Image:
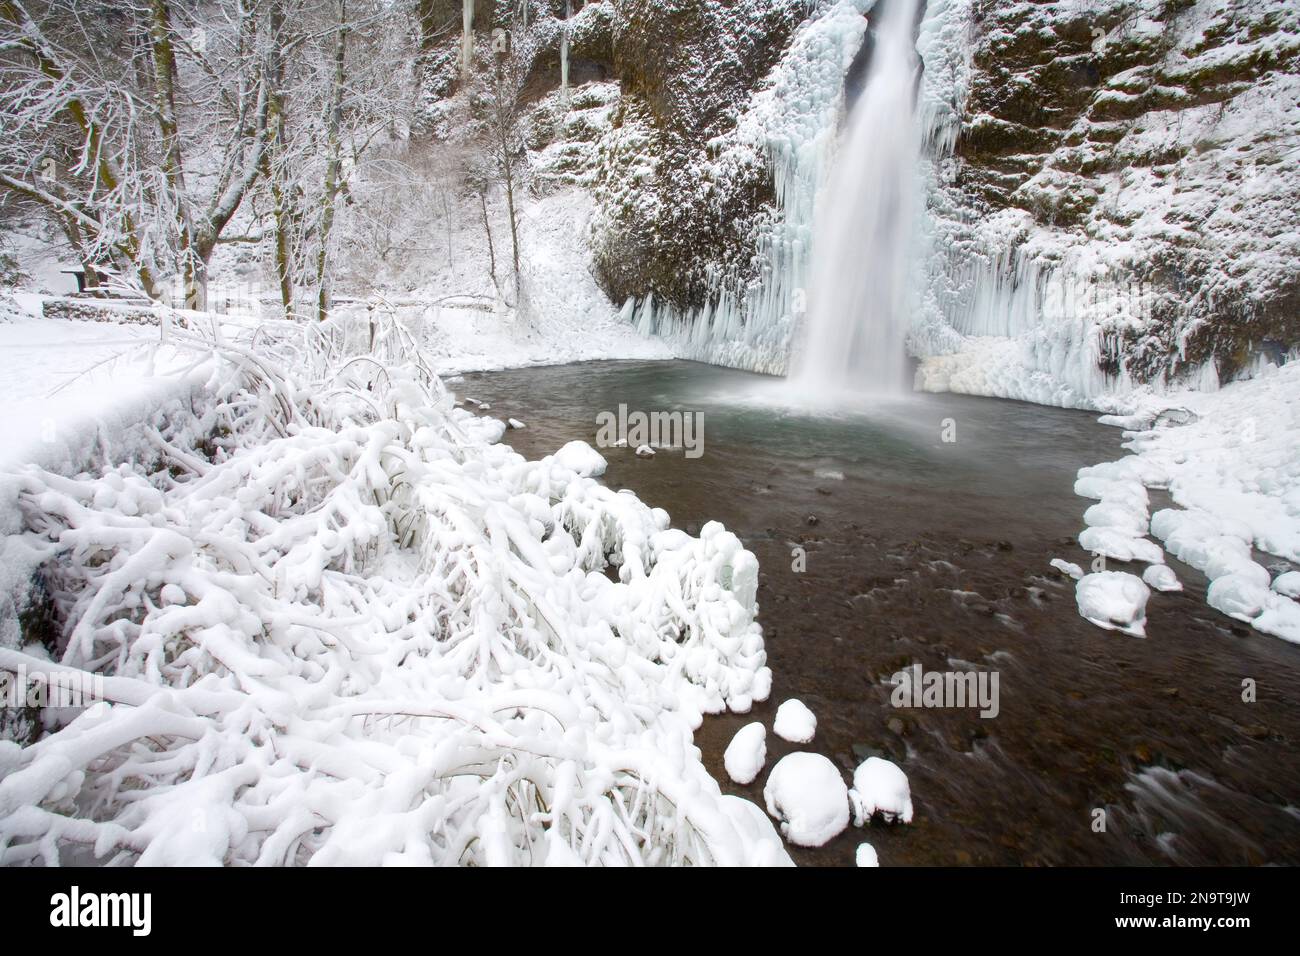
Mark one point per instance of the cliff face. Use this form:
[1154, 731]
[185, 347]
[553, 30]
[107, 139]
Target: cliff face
[1122, 189]
[669, 213]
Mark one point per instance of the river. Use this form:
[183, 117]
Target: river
[926, 528]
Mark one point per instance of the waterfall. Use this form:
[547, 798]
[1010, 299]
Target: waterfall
[856, 322]
[790, 124]
[564, 53]
[467, 37]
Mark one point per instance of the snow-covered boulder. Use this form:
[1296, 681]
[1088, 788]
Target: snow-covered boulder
[1162, 578]
[1120, 545]
[806, 793]
[746, 754]
[880, 787]
[762, 845]
[795, 722]
[1068, 568]
[1114, 600]
[1288, 584]
[579, 457]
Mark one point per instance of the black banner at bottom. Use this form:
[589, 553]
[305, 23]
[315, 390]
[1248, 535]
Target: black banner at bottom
[149, 906]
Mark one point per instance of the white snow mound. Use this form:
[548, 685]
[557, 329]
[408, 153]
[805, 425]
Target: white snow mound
[1114, 600]
[795, 722]
[880, 787]
[806, 793]
[746, 754]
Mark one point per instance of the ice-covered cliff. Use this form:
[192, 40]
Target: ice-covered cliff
[1110, 197]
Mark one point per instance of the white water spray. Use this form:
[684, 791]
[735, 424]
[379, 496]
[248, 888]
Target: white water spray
[856, 322]
[564, 54]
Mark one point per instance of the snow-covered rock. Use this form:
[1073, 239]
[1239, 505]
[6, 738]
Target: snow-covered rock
[1068, 568]
[1120, 545]
[795, 722]
[1162, 578]
[581, 459]
[880, 787]
[806, 793]
[1288, 584]
[1114, 600]
[746, 754]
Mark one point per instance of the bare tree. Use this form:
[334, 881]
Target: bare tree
[498, 117]
[126, 135]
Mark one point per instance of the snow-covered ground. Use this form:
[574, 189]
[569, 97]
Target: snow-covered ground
[335, 622]
[561, 316]
[60, 380]
[1230, 460]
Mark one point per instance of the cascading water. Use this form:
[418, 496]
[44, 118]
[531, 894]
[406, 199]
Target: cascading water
[564, 53]
[856, 322]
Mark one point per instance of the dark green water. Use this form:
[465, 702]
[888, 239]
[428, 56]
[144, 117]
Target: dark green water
[936, 553]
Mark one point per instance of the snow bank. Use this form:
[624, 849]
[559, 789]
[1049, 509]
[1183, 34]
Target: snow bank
[807, 794]
[880, 787]
[67, 386]
[341, 627]
[74, 397]
[1231, 463]
[795, 722]
[560, 315]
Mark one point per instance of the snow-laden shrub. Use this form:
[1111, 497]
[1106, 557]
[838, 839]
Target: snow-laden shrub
[346, 628]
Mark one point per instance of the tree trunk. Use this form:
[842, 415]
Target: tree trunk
[333, 167]
[194, 273]
[487, 228]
